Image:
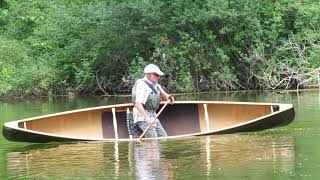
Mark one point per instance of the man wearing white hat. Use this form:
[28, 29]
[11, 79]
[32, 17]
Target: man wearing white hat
[146, 96]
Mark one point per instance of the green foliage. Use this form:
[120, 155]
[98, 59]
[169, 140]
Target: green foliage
[13, 60]
[136, 68]
[62, 47]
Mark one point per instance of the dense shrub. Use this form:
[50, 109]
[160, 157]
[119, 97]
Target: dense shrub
[60, 47]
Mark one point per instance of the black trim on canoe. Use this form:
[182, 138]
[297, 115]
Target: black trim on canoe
[24, 136]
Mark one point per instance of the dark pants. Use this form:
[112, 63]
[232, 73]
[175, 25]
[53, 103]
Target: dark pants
[154, 131]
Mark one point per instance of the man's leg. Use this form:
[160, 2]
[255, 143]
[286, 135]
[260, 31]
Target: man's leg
[151, 131]
[159, 129]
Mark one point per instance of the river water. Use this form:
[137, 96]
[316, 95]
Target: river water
[290, 152]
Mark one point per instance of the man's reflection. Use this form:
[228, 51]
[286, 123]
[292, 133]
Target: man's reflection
[148, 162]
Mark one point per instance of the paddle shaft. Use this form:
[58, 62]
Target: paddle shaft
[144, 132]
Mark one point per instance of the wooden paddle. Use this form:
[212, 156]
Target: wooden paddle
[154, 120]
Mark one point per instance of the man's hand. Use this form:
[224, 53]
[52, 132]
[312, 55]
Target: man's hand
[171, 99]
[150, 119]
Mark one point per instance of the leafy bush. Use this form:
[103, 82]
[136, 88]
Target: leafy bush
[62, 47]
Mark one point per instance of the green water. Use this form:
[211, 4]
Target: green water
[290, 152]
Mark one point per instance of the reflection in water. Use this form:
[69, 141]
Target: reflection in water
[239, 154]
[147, 160]
[219, 157]
[208, 154]
[116, 159]
[73, 159]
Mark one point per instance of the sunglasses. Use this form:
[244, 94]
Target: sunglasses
[155, 74]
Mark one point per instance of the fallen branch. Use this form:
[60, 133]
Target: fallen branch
[100, 87]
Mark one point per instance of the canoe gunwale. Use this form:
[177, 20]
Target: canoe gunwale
[130, 105]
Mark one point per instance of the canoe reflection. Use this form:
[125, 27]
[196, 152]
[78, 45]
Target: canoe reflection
[239, 153]
[203, 156]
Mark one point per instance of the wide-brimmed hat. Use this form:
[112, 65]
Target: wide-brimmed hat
[151, 68]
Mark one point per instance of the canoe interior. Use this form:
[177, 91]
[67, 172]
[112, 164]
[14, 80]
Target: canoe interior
[226, 115]
[177, 119]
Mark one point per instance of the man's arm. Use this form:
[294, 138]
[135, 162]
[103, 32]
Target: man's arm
[167, 96]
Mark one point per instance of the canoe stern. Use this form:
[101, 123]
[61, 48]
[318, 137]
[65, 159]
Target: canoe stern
[282, 118]
[13, 134]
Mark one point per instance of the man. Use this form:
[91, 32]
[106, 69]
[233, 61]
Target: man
[146, 96]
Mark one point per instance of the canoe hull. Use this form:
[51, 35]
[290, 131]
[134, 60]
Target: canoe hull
[189, 118]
